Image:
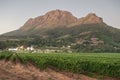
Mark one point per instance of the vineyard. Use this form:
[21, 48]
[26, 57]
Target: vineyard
[106, 64]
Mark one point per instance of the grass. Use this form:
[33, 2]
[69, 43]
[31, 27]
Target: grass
[107, 64]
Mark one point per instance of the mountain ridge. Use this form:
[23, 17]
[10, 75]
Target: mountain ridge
[54, 19]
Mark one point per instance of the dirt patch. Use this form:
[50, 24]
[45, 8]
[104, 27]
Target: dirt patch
[12, 71]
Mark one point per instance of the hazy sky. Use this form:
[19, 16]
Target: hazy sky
[14, 13]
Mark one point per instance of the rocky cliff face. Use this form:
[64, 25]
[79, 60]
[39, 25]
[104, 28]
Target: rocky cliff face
[59, 18]
[54, 19]
[91, 18]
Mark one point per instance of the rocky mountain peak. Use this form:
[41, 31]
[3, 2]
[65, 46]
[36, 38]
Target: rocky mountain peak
[58, 12]
[93, 18]
[91, 15]
[59, 18]
[51, 19]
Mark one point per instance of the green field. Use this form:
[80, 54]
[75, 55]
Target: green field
[107, 64]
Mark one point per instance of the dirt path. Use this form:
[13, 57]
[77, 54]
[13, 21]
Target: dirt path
[11, 71]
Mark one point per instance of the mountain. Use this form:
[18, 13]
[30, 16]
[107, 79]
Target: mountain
[58, 28]
[51, 20]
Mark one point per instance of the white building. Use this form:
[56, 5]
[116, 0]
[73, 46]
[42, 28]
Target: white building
[30, 48]
[12, 49]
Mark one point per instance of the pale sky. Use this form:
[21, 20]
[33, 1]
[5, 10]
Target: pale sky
[14, 13]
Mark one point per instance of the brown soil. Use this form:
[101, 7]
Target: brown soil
[11, 71]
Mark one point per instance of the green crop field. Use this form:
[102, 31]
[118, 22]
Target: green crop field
[107, 64]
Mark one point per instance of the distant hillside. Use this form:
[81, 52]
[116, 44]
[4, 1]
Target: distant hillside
[61, 28]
